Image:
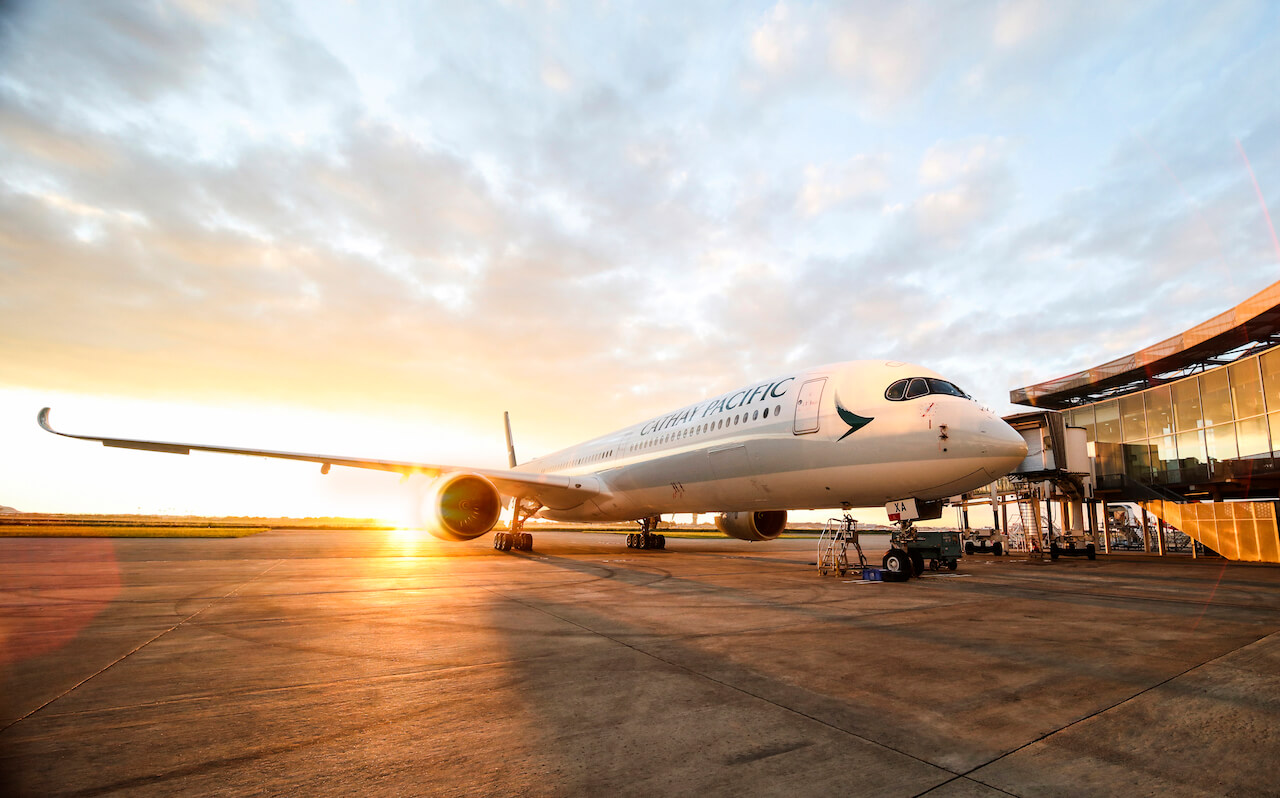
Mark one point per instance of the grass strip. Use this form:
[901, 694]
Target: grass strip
[111, 531]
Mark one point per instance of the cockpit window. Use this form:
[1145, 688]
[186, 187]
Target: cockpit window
[915, 387]
[918, 387]
[944, 387]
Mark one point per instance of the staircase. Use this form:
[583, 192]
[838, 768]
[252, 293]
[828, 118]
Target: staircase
[833, 546]
[1245, 531]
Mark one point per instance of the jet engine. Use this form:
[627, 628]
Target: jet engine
[461, 507]
[764, 525]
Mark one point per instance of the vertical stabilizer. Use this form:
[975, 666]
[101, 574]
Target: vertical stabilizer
[511, 449]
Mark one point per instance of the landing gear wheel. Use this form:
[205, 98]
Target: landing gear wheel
[631, 540]
[997, 548]
[917, 563]
[897, 565]
[662, 541]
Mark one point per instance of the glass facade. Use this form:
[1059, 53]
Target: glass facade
[1216, 424]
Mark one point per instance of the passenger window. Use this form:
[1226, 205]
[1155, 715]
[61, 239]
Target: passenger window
[766, 412]
[755, 415]
[918, 387]
[896, 391]
[777, 411]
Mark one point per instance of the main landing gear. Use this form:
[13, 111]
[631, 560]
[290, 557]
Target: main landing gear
[517, 538]
[647, 538]
[506, 541]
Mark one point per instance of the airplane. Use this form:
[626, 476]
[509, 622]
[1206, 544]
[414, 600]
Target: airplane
[852, 434]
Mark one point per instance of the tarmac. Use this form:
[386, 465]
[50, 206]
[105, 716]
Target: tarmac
[380, 663]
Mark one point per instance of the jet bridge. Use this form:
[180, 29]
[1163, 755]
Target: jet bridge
[1057, 471]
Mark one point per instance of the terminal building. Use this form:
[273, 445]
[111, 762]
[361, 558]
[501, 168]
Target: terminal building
[1187, 430]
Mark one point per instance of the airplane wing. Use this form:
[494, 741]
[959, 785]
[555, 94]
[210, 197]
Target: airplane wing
[551, 490]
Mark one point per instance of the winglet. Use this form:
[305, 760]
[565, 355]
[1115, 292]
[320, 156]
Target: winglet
[43, 421]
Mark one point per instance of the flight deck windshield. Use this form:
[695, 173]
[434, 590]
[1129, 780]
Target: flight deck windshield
[915, 387]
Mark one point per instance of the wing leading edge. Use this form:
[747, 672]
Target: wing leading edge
[551, 490]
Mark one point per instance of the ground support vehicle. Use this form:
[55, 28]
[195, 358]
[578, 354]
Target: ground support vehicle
[911, 548]
[985, 543]
[1073, 546]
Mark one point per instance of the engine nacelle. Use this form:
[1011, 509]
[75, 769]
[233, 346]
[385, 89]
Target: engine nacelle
[461, 507]
[764, 525]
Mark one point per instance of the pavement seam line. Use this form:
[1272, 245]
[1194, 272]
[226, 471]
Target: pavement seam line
[733, 687]
[1090, 716]
[136, 649]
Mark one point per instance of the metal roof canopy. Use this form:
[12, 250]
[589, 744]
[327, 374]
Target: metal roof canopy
[1252, 325]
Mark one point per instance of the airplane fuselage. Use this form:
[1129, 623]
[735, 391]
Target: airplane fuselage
[823, 438]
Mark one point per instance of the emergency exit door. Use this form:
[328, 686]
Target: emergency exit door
[808, 405]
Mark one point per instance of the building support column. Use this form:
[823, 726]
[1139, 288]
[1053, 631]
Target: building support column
[1106, 528]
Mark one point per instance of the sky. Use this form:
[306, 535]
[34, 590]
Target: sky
[370, 228]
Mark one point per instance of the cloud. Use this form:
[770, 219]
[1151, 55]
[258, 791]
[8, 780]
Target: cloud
[209, 202]
[776, 43]
[860, 178]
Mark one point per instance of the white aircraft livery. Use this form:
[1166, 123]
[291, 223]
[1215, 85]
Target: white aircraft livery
[855, 434]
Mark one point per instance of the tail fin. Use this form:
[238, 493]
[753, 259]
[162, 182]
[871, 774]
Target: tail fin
[511, 449]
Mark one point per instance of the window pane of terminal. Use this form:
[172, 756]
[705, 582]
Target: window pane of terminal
[1108, 430]
[1133, 417]
[1137, 461]
[1108, 458]
[1274, 419]
[1246, 388]
[1220, 441]
[1164, 456]
[1251, 437]
[1215, 397]
[1082, 417]
[1186, 406]
[1270, 363]
[1159, 411]
[1191, 448]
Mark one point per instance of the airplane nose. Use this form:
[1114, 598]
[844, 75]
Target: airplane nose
[1005, 448]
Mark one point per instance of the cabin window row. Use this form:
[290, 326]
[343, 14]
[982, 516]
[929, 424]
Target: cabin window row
[595, 458]
[709, 426]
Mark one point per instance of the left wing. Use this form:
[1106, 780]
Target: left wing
[551, 490]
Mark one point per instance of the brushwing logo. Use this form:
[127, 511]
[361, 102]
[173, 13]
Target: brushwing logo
[855, 421]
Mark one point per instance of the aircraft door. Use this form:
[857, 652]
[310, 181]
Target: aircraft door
[808, 406]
